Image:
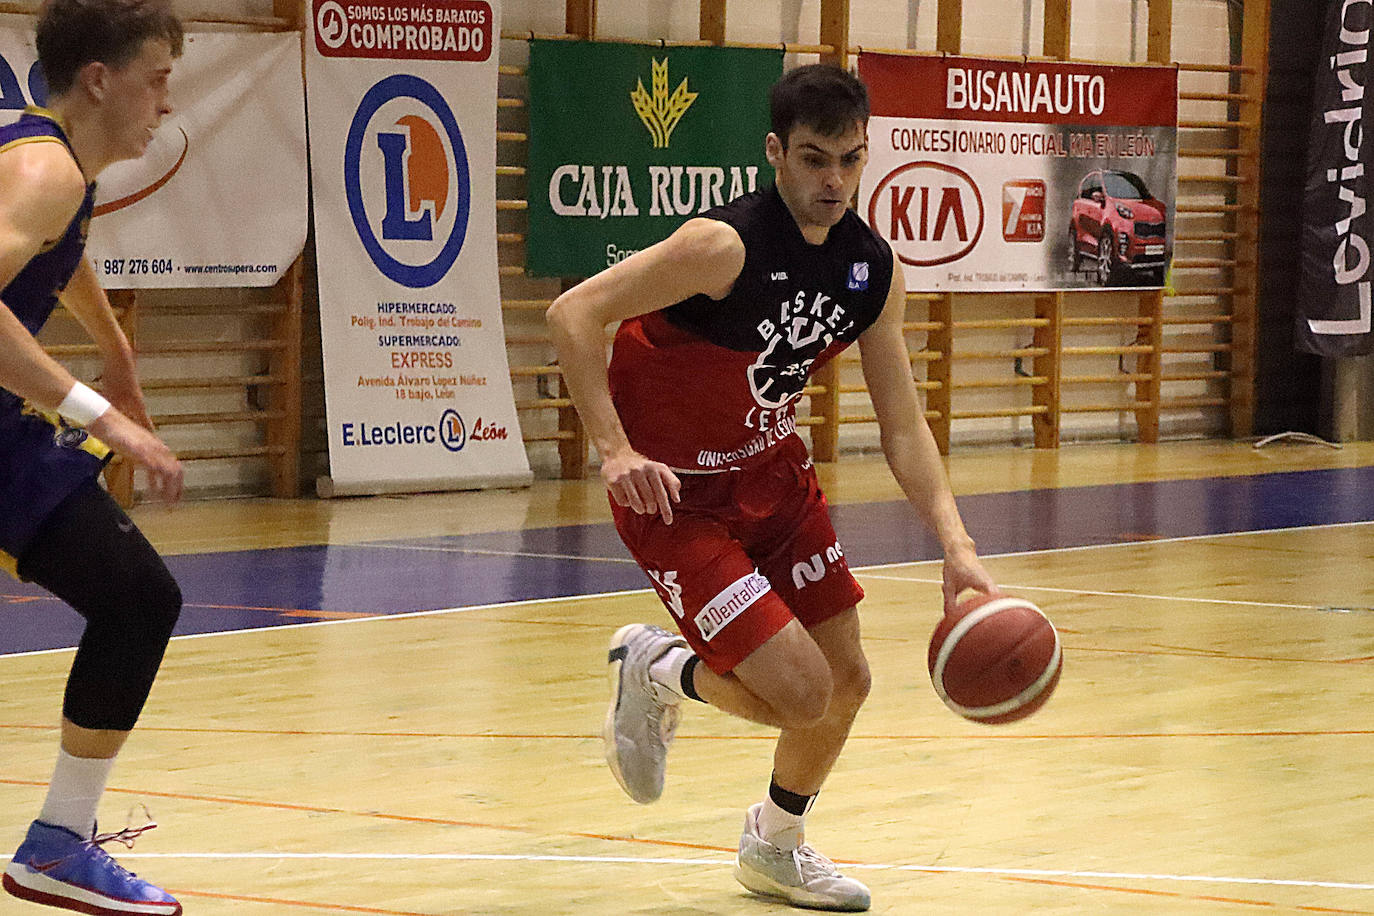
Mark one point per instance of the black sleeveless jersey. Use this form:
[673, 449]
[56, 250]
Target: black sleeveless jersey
[706, 384]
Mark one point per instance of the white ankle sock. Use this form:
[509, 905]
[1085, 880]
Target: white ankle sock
[666, 670]
[780, 828]
[74, 793]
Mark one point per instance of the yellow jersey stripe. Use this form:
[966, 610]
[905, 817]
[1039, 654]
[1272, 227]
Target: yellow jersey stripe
[22, 140]
[91, 445]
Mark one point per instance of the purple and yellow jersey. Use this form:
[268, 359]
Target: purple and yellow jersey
[42, 459]
[32, 295]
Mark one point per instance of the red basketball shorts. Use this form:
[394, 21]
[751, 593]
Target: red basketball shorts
[747, 551]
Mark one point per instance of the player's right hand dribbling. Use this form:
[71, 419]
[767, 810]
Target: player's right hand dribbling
[165, 473]
[636, 482]
[963, 570]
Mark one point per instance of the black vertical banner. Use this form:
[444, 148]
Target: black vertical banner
[1333, 309]
[1333, 315]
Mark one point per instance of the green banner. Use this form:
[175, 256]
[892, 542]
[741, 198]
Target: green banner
[629, 141]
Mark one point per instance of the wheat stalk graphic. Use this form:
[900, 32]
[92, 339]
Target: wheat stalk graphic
[661, 112]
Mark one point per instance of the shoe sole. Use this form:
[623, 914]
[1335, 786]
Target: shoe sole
[49, 892]
[608, 727]
[762, 887]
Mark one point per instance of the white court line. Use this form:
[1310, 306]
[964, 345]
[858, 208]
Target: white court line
[405, 615]
[644, 860]
[1089, 591]
[490, 553]
[1012, 553]
[1183, 538]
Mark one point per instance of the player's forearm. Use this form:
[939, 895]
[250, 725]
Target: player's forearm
[86, 300]
[110, 339]
[916, 464]
[26, 369]
[581, 348]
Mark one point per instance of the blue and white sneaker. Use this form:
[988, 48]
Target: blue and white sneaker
[55, 867]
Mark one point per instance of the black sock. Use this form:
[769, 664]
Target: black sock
[790, 802]
[689, 686]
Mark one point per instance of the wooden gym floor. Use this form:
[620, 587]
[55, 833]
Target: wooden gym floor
[392, 706]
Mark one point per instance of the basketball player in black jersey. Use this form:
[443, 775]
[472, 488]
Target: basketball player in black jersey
[712, 490]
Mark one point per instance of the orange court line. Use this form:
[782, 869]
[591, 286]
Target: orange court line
[377, 815]
[290, 611]
[314, 613]
[277, 901]
[285, 806]
[1184, 652]
[319, 614]
[549, 736]
[1143, 891]
[329, 615]
[547, 623]
[1158, 893]
[643, 841]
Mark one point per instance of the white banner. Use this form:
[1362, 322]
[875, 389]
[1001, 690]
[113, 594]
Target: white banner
[995, 175]
[402, 97]
[220, 197]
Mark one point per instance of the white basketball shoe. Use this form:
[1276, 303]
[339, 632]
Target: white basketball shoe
[643, 717]
[801, 876]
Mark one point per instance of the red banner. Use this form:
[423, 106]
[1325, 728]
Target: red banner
[458, 30]
[977, 89]
[992, 175]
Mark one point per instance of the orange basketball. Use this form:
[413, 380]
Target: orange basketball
[995, 659]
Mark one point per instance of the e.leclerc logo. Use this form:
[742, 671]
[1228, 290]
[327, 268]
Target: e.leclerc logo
[450, 432]
[406, 171]
[407, 180]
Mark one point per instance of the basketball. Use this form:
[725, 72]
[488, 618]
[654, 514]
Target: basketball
[995, 659]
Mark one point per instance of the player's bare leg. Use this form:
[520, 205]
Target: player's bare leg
[811, 685]
[91, 743]
[805, 755]
[785, 683]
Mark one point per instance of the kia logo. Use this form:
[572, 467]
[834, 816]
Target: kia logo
[931, 213]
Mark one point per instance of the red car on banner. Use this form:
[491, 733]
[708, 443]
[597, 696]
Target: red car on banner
[1118, 227]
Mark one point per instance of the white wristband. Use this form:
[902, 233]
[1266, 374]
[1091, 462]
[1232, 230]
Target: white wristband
[83, 405]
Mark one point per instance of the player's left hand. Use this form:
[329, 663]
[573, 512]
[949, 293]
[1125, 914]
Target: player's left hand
[963, 570]
[648, 487]
[119, 385]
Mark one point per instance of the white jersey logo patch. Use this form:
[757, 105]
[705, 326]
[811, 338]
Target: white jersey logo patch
[734, 599]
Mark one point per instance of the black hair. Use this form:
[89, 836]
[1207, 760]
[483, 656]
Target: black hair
[73, 33]
[824, 97]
